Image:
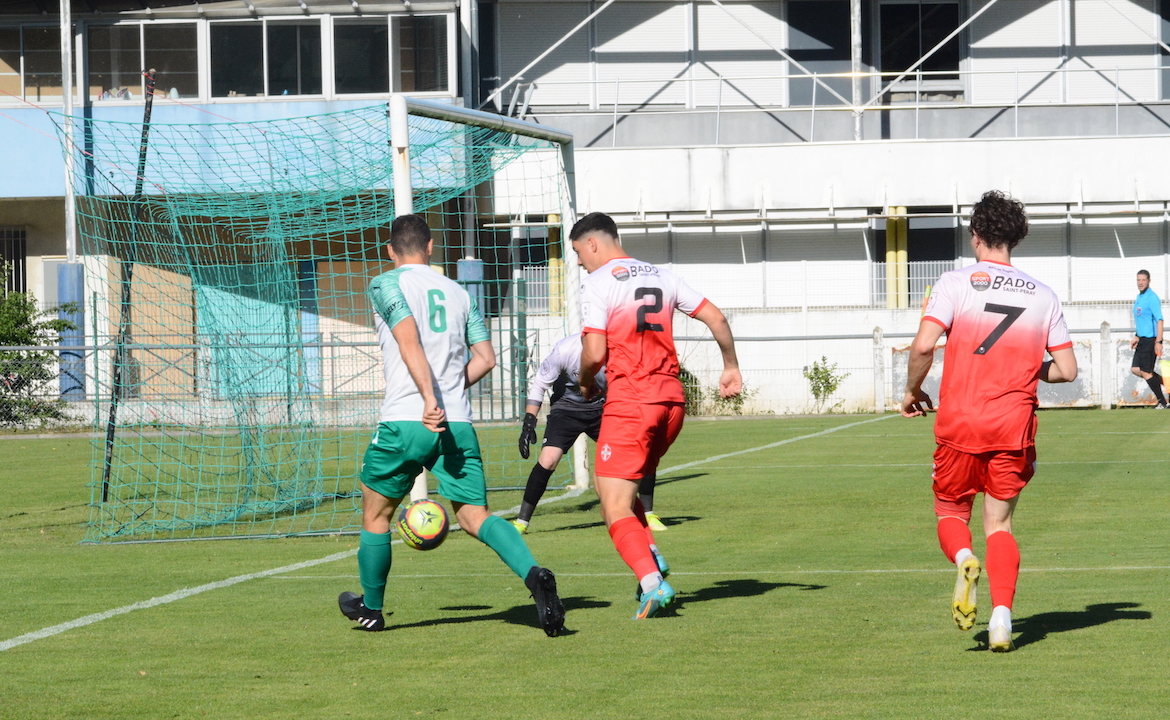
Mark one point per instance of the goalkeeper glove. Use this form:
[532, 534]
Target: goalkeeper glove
[527, 434]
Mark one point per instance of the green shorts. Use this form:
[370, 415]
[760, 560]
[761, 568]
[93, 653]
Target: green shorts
[401, 449]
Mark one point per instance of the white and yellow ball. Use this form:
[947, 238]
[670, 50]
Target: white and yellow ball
[423, 524]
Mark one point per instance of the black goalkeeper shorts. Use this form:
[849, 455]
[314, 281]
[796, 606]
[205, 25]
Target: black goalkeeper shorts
[1143, 355]
[567, 422]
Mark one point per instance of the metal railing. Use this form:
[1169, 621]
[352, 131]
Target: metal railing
[936, 90]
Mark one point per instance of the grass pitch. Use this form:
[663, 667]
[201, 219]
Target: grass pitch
[810, 581]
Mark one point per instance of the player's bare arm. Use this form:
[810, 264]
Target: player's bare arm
[916, 402]
[483, 359]
[410, 348]
[1061, 368]
[730, 382]
[593, 352]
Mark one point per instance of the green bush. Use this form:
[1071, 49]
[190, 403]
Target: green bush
[692, 391]
[24, 373]
[823, 380]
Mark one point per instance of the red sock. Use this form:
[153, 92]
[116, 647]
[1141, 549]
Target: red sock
[953, 536]
[640, 513]
[1003, 568]
[631, 544]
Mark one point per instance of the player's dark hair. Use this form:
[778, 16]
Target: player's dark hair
[999, 220]
[1144, 272]
[594, 222]
[409, 235]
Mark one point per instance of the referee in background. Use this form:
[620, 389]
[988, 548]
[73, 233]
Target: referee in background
[1147, 340]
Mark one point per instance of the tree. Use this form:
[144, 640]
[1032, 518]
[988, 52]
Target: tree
[25, 374]
[823, 380]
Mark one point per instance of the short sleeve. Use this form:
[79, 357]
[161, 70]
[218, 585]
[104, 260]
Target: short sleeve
[1058, 337]
[594, 313]
[387, 299]
[1157, 308]
[687, 299]
[940, 308]
[477, 331]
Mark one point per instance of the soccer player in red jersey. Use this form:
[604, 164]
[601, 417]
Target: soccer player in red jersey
[999, 323]
[627, 308]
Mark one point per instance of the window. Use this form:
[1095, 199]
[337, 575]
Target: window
[172, 50]
[361, 56]
[909, 30]
[30, 62]
[818, 38]
[13, 254]
[115, 62]
[421, 54]
[10, 61]
[294, 59]
[237, 59]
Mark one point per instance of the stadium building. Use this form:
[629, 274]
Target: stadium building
[808, 164]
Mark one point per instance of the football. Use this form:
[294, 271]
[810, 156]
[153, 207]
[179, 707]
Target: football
[423, 524]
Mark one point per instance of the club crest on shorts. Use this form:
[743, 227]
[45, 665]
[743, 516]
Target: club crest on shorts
[621, 274]
[606, 453]
[980, 281]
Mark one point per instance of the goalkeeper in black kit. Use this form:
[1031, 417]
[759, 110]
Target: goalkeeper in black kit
[569, 415]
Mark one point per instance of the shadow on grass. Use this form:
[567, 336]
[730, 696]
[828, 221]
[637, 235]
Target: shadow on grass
[678, 478]
[725, 589]
[1037, 627]
[517, 615]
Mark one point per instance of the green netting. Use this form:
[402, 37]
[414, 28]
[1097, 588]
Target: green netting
[230, 299]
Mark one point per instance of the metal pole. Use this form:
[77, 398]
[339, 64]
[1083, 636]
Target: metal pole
[718, 108]
[67, 129]
[616, 89]
[917, 99]
[812, 114]
[470, 46]
[855, 62]
[121, 359]
[1017, 106]
[1117, 100]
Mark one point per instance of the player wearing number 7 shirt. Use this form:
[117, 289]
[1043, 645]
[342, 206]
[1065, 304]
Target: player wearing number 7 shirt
[627, 309]
[999, 323]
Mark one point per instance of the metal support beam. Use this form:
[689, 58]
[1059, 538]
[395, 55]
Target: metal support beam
[469, 36]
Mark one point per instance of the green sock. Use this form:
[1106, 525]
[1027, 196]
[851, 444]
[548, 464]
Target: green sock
[498, 534]
[373, 567]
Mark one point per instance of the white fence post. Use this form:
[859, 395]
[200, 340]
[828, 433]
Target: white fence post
[879, 372]
[1107, 362]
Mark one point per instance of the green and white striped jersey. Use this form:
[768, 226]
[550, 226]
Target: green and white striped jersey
[448, 324]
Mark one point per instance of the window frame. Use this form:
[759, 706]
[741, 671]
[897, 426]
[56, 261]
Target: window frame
[909, 83]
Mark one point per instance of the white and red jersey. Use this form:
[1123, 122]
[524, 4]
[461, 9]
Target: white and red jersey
[632, 303]
[999, 324]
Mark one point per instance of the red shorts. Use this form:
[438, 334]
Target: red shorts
[958, 476]
[634, 437]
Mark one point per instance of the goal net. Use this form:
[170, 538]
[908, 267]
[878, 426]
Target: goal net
[238, 377]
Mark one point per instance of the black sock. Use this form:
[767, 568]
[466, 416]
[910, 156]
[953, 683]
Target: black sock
[1155, 383]
[646, 492]
[537, 484]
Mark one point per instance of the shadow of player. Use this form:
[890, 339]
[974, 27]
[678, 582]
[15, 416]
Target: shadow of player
[725, 589]
[1037, 627]
[518, 615]
[678, 478]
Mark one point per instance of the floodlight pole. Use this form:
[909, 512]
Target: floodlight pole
[70, 274]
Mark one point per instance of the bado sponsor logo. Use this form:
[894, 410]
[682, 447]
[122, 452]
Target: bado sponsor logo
[621, 274]
[636, 270]
[980, 281]
[1011, 284]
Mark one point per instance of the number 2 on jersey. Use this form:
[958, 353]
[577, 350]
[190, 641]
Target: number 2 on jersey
[437, 313]
[653, 307]
[1010, 313]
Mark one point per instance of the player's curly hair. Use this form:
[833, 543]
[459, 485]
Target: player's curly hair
[409, 235]
[999, 220]
[593, 222]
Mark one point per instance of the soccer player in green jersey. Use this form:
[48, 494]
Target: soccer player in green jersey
[427, 326]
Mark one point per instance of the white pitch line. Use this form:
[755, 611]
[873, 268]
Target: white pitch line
[888, 571]
[776, 444]
[188, 592]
